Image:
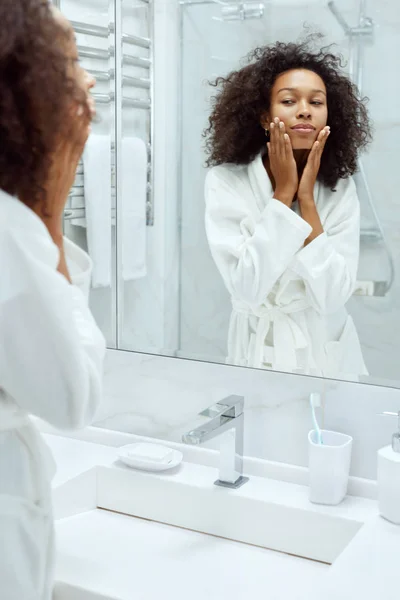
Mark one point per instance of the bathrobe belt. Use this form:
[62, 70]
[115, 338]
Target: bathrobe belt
[288, 337]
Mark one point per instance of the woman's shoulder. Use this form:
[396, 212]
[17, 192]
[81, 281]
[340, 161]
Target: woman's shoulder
[226, 173]
[342, 188]
[23, 234]
[346, 186]
[16, 214]
[345, 191]
[339, 204]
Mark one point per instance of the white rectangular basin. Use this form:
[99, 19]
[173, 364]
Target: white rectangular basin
[266, 513]
[108, 556]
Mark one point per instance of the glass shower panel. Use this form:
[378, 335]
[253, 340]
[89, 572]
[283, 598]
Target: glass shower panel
[137, 236]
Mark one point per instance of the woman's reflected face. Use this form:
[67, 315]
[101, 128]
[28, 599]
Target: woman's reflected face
[299, 99]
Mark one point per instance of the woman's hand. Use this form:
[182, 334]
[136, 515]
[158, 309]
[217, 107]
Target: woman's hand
[65, 161]
[282, 163]
[62, 174]
[305, 193]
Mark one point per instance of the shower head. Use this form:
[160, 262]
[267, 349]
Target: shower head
[340, 19]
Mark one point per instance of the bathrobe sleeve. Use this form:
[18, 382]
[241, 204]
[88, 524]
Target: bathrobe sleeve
[80, 266]
[328, 265]
[51, 350]
[251, 250]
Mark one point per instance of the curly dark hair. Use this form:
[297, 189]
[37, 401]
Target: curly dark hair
[235, 134]
[35, 94]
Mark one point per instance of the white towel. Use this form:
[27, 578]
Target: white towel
[133, 208]
[97, 177]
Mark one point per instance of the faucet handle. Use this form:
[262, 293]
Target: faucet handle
[231, 406]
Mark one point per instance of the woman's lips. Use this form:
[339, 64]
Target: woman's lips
[304, 128]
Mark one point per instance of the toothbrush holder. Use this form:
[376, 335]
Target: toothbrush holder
[329, 466]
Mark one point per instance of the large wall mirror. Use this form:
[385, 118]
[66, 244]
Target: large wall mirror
[228, 264]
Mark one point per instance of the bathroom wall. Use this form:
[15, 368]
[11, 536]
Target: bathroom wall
[212, 47]
[161, 397]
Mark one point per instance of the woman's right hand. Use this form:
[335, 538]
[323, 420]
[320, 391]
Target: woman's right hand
[282, 163]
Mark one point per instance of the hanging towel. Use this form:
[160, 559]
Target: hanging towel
[133, 208]
[97, 177]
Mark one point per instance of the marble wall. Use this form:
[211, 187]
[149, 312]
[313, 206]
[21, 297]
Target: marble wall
[161, 397]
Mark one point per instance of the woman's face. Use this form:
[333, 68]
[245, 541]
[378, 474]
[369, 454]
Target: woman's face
[83, 79]
[298, 98]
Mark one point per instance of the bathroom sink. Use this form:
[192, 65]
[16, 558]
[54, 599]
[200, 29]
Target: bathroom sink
[108, 556]
[266, 512]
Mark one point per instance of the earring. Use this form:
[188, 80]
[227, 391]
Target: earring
[266, 132]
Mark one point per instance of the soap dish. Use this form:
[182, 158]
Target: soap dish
[150, 457]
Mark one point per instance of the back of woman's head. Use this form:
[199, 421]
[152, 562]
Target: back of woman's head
[35, 92]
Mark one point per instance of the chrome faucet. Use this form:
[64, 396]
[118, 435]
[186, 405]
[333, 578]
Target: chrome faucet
[225, 417]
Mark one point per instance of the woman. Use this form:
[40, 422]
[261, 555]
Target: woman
[282, 214]
[51, 351]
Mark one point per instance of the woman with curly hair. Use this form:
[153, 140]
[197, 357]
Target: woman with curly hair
[51, 351]
[282, 213]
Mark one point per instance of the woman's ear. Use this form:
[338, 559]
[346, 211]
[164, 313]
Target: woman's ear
[265, 121]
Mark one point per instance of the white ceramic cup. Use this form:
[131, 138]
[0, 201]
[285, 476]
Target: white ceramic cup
[329, 466]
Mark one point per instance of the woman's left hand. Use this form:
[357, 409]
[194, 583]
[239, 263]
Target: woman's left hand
[305, 191]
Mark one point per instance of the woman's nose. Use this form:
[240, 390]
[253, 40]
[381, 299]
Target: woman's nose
[304, 111]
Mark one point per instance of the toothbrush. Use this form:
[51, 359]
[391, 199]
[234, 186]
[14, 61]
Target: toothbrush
[315, 402]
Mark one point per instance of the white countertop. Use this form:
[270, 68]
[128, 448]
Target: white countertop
[73, 457]
[368, 568]
[124, 557]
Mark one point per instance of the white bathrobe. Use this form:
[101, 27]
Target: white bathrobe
[51, 358]
[288, 299]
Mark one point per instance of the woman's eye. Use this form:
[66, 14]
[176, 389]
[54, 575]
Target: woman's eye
[288, 102]
[317, 102]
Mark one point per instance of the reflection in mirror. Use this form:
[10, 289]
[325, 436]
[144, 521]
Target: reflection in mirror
[346, 328]
[281, 254]
[283, 217]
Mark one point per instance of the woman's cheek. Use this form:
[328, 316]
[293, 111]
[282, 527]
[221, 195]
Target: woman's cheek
[281, 118]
